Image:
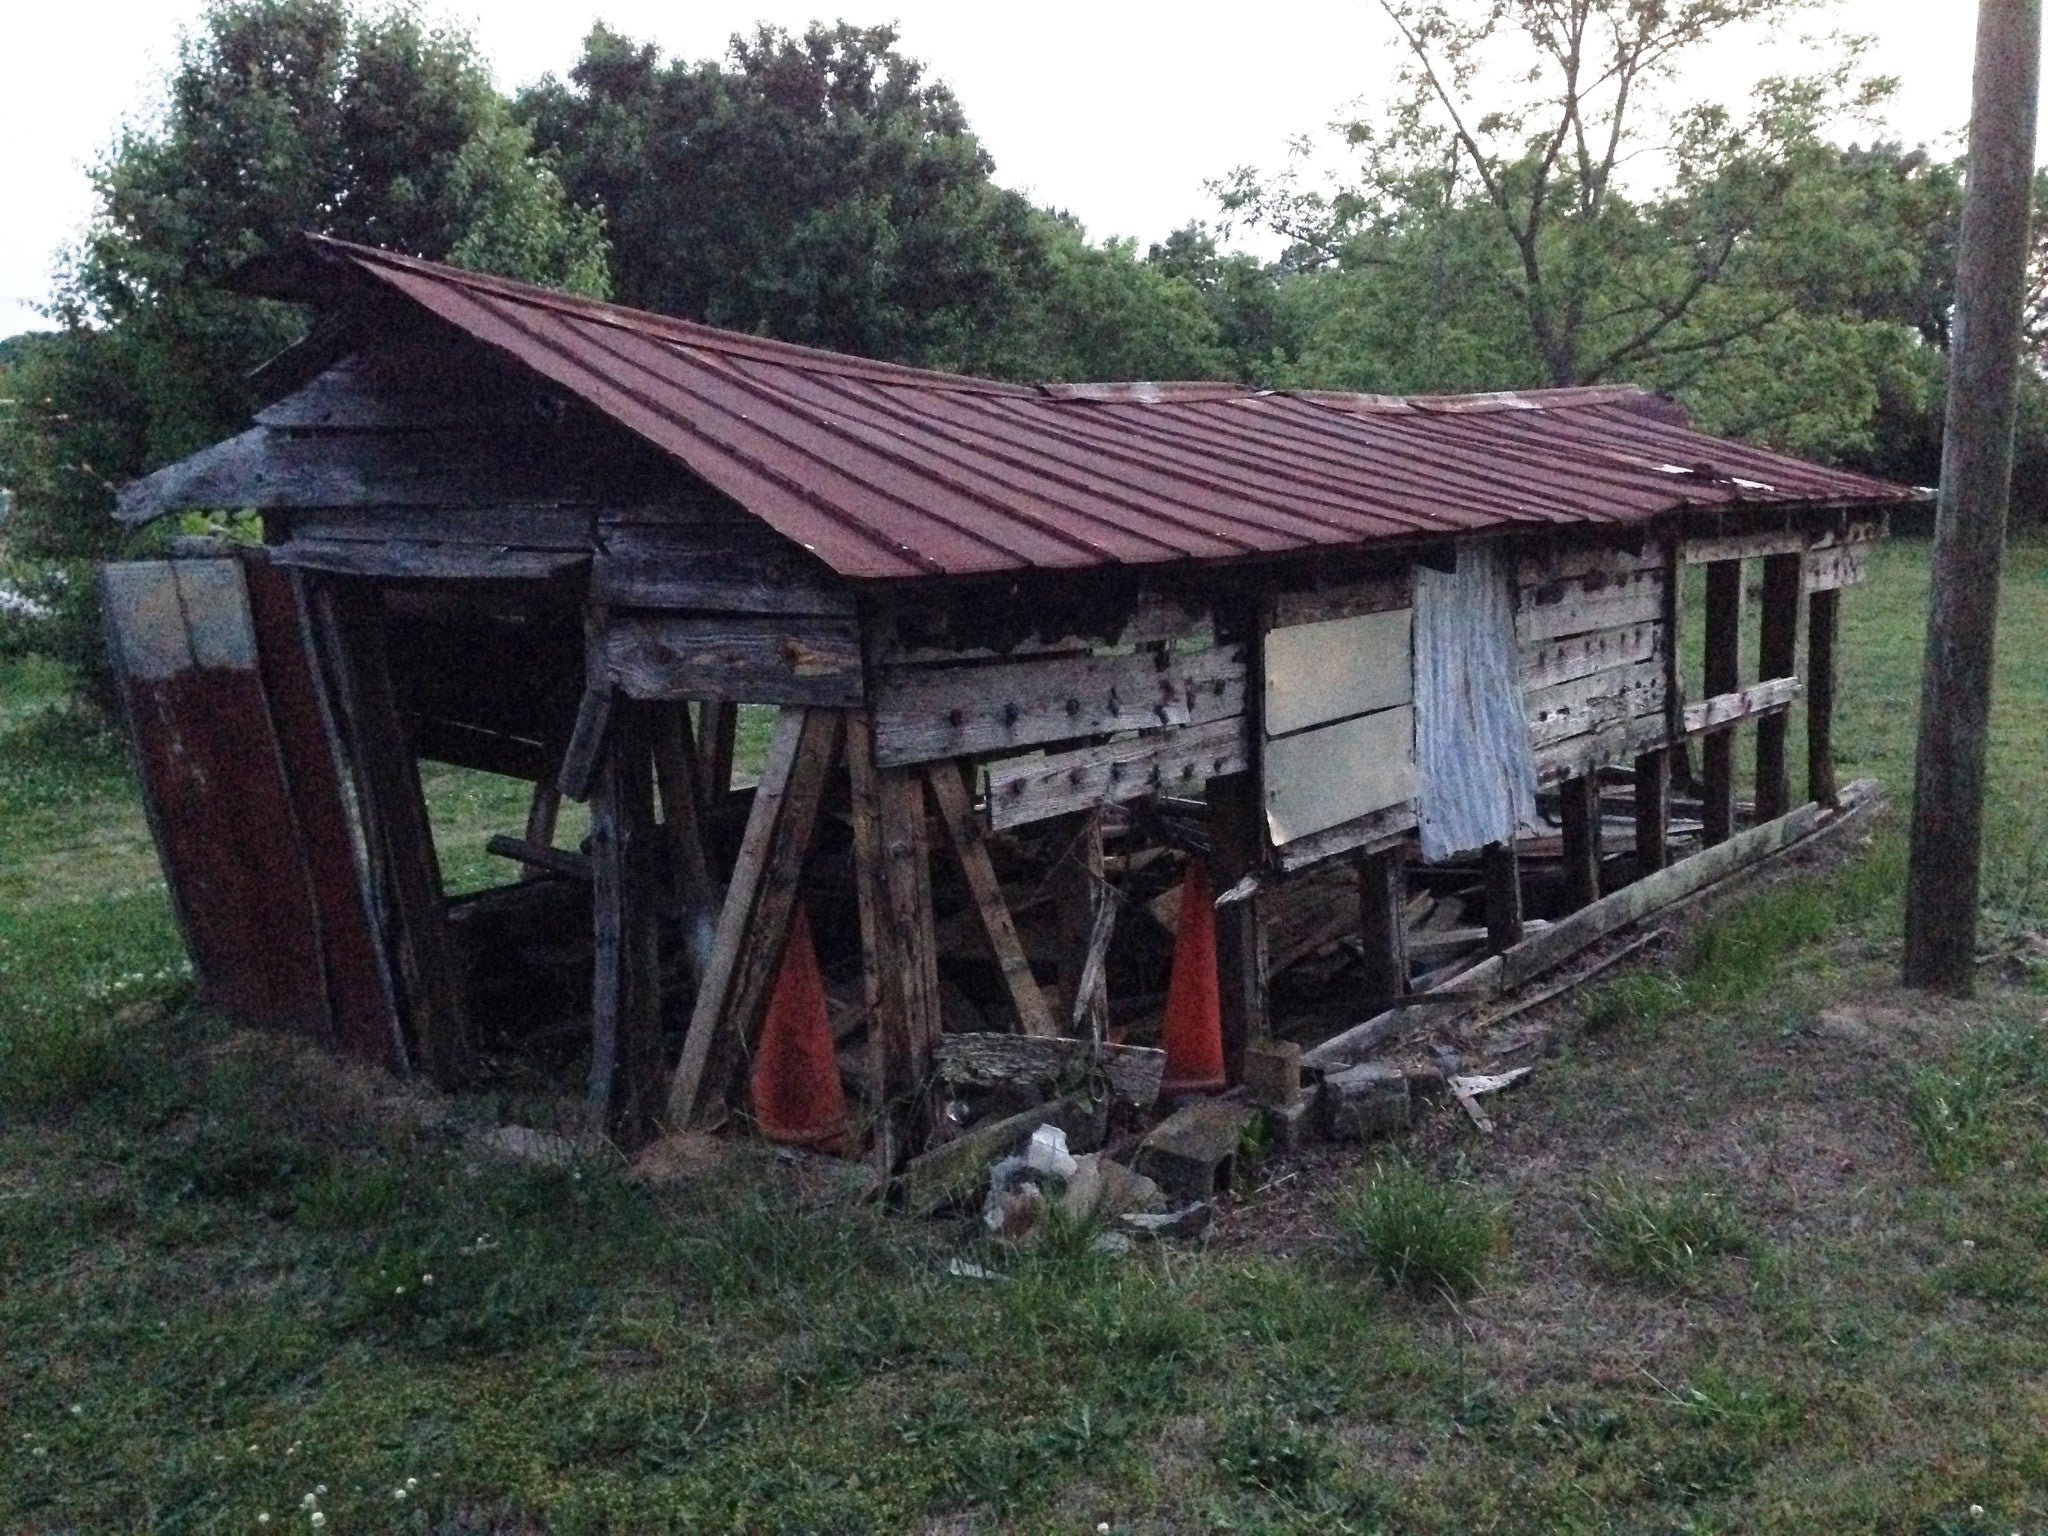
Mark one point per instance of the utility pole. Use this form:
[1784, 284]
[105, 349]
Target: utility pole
[1976, 480]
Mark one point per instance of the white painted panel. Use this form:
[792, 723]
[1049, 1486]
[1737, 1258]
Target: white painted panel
[147, 621]
[216, 600]
[1322, 778]
[1337, 667]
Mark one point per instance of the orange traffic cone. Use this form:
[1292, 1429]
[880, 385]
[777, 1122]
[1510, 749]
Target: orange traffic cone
[797, 1096]
[1193, 1028]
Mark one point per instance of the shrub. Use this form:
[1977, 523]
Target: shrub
[1417, 1233]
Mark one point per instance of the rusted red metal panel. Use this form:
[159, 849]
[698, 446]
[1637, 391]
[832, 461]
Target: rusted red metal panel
[890, 472]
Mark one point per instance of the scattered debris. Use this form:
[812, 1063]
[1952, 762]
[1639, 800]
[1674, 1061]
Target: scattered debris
[1189, 1221]
[1193, 1152]
[1466, 1091]
[1044, 1061]
[954, 1170]
[966, 1269]
[1272, 1073]
[1046, 1152]
[1368, 1100]
[543, 1149]
[1106, 1189]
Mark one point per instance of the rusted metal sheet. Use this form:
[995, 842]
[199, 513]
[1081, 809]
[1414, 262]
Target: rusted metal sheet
[889, 472]
[245, 801]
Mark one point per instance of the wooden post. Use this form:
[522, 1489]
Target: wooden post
[696, 894]
[542, 811]
[899, 949]
[1823, 617]
[1946, 862]
[753, 923]
[1777, 656]
[1653, 812]
[985, 895]
[1723, 675]
[624, 1089]
[396, 828]
[1503, 870]
[1077, 892]
[1580, 802]
[721, 736]
[1237, 827]
[1383, 929]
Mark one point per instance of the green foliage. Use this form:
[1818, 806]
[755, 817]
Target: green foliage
[1663, 1235]
[1966, 1114]
[1420, 1234]
[1256, 1448]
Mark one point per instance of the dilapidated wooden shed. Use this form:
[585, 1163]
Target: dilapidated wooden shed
[1031, 648]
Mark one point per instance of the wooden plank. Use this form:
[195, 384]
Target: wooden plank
[393, 811]
[753, 922]
[427, 562]
[907, 878]
[712, 562]
[1549, 662]
[586, 741]
[1503, 875]
[539, 858]
[1829, 570]
[1078, 894]
[1337, 668]
[1577, 561]
[1726, 709]
[624, 1085]
[985, 896]
[1723, 677]
[884, 971]
[1629, 599]
[1594, 702]
[1777, 657]
[1822, 626]
[1382, 928]
[788, 659]
[1579, 800]
[1364, 834]
[1131, 1072]
[1154, 762]
[1653, 811]
[1718, 548]
[675, 773]
[1324, 777]
[931, 714]
[1243, 963]
[561, 529]
[1373, 594]
[1598, 749]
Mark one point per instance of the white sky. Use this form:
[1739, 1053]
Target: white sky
[1117, 110]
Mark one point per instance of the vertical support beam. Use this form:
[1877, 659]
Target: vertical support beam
[1777, 656]
[721, 734]
[1237, 827]
[899, 950]
[1822, 623]
[624, 1089]
[675, 770]
[753, 924]
[1503, 872]
[1580, 803]
[1678, 767]
[1383, 929]
[1723, 675]
[399, 836]
[1653, 812]
[542, 812]
[985, 893]
[1076, 894]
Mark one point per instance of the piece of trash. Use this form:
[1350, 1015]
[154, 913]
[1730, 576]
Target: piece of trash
[1100, 1187]
[1013, 1210]
[1047, 1153]
[966, 1269]
[1245, 888]
[1473, 1086]
[1189, 1221]
[1471, 1107]
[1115, 1244]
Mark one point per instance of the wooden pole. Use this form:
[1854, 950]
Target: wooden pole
[1503, 896]
[1653, 812]
[1723, 675]
[1777, 656]
[1822, 620]
[1976, 480]
[1383, 929]
[1579, 800]
[1077, 890]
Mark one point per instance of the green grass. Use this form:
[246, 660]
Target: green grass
[1820, 1301]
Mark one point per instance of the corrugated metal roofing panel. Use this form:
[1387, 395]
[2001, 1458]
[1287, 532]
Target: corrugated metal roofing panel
[885, 471]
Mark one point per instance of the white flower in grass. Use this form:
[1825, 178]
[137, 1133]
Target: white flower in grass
[318, 1519]
[263, 1517]
[309, 1501]
[411, 1483]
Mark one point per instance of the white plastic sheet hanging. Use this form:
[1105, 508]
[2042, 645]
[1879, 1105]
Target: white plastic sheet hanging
[1472, 749]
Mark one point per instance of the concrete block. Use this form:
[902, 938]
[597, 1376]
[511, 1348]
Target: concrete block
[1365, 1101]
[1192, 1153]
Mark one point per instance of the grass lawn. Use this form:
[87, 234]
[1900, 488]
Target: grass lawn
[1763, 1248]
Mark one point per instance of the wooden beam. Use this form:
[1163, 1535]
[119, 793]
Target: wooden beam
[1822, 625]
[1724, 710]
[1653, 811]
[1383, 928]
[399, 835]
[586, 741]
[542, 812]
[1723, 676]
[1078, 893]
[675, 771]
[624, 1088]
[537, 859]
[771, 659]
[1237, 823]
[1777, 657]
[1503, 875]
[985, 896]
[753, 923]
[721, 739]
[1374, 832]
[1179, 759]
[1580, 803]
[1720, 548]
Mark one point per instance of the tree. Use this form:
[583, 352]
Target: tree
[814, 188]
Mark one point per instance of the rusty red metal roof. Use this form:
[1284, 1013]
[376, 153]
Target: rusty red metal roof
[885, 471]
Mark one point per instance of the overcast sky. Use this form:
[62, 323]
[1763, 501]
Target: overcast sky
[1116, 110]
